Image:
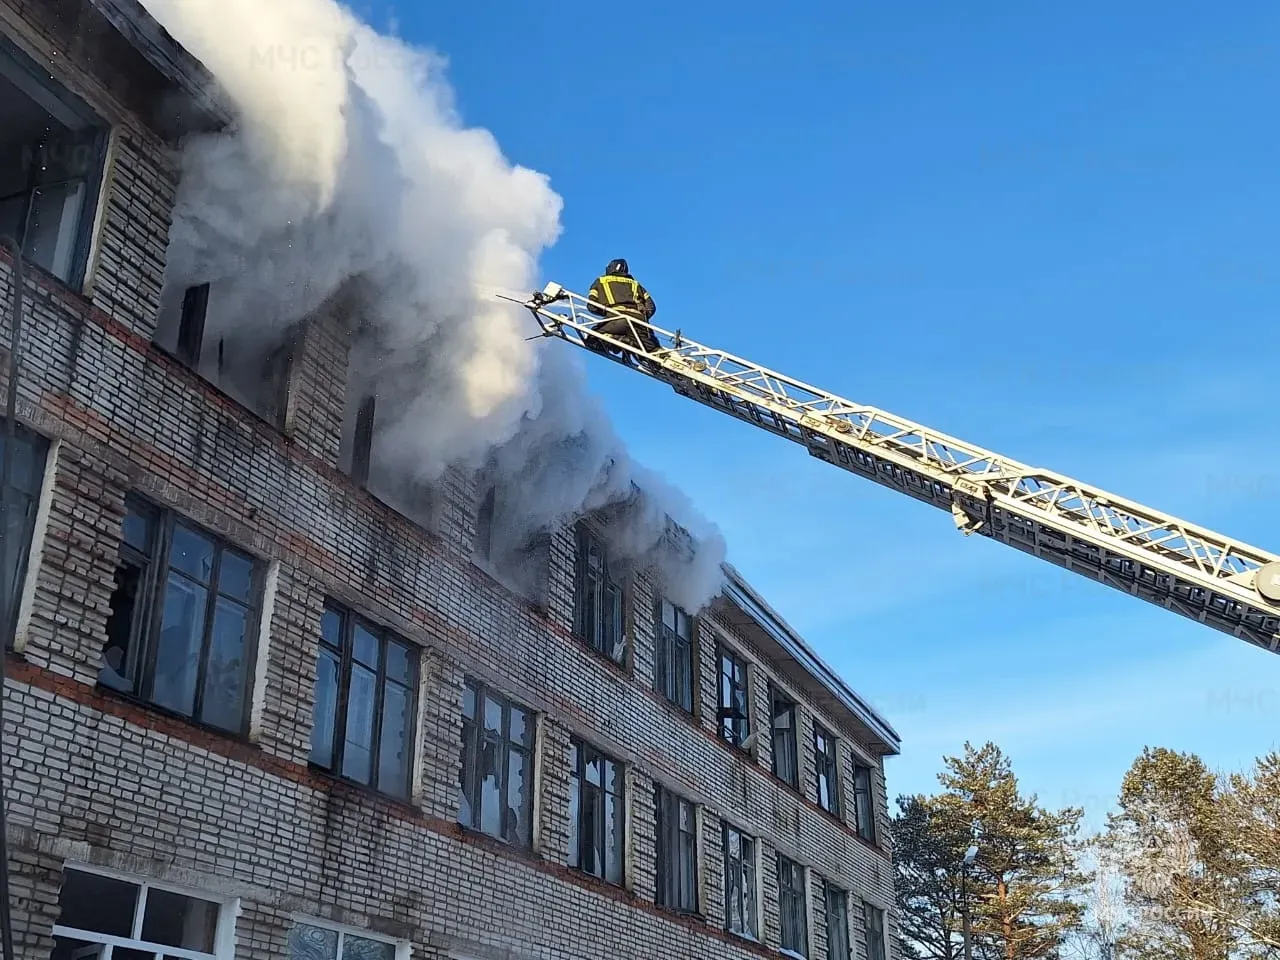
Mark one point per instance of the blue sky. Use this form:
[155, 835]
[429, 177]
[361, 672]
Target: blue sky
[1048, 230]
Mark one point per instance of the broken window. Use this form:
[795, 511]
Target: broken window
[732, 713]
[356, 448]
[496, 777]
[363, 716]
[827, 768]
[742, 910]
[484, 524]
[673, 666]
[677, 851]
[26, 476]
[314, 941]
[180, 633]
[51, 156]
[785, 762]
[598, 599]
[864, 802]
[596, 812]
[99, 913]
[873, 919]
[249, 365]
[792, 912]
[836, 902]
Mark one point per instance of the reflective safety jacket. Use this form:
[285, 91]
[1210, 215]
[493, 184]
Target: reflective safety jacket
[624, 294]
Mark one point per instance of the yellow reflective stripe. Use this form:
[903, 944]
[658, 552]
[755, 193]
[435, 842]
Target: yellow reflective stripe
[605, 283]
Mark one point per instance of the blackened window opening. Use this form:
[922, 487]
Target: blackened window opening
[827, 768]
[677, 851]
[864, 802]
[598, 619]
[791, 907]
[26, 478]
[786, 764]
[674, 656]
[733, 713]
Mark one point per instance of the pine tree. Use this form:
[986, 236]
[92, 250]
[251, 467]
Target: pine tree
[1199, 858]
[1026, 872]
[927, 853]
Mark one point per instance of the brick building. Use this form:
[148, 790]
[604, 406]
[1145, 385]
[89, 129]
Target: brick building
[252, 710]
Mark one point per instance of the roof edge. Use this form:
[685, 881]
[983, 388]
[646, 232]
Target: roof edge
[745, 596]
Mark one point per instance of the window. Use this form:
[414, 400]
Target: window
[735, 724]
[484, 524]
[496, 778]
[183, 615]
[791, 907]
[51, 155]
[785, 757]
[741, 914]
[137, 919]
[677, 849]
[366, 680]
[864, 805]
[598, 600]
[596, 812]
[827, 767]
[26, 476]
[873, 918]
[250, 368]
[311, 941]
[673, 655]
[837, 909]
[356, 446]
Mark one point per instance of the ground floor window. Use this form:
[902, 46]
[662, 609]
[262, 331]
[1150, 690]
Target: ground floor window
[315, 941]
[107, 917]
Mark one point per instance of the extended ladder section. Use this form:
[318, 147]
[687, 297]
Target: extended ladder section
[1195, 572]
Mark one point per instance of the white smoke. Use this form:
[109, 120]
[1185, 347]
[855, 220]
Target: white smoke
[349, 175]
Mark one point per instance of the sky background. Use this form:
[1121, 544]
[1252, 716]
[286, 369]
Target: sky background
[1049, 230]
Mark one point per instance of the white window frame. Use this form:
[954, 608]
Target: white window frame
[403, 947]
[224, 941]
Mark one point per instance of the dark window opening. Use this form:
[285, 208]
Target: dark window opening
[827, 767]
[791, 907]
[250, 367]
[365, 692]
[786, 764]
[51, 157]
[673, 667]
[180, 633]
[733, 713]
[598, 600]
[741, 914]
[596, 813]
[356, 449]
[21, 502]
[496, 774]
[484, 524]
[864, 805]
[873, 919]
[837, 913]
[677, 850]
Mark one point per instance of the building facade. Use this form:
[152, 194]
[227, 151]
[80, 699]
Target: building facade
[252, 710]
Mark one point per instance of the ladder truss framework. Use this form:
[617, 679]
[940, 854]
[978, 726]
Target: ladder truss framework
[1192, 571]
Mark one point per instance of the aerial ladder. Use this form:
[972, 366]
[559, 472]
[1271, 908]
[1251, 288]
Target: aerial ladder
[1192, 571]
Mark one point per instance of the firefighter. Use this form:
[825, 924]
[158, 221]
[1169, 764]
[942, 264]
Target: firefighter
[617, 292]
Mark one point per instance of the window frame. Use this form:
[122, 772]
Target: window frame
[402, 947]
[350, 619]
[586, 541]
[870, 913]
[668, 646]
[669, 889]
[224, 928]
[840, 896]
[742, 874]
[586, 753]
[93, 121]
[730, 734]
[792, 897]
[41, 448]
[864, 819]
[826, 766]
[149, 607]
[471, 747]
[792, 738]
